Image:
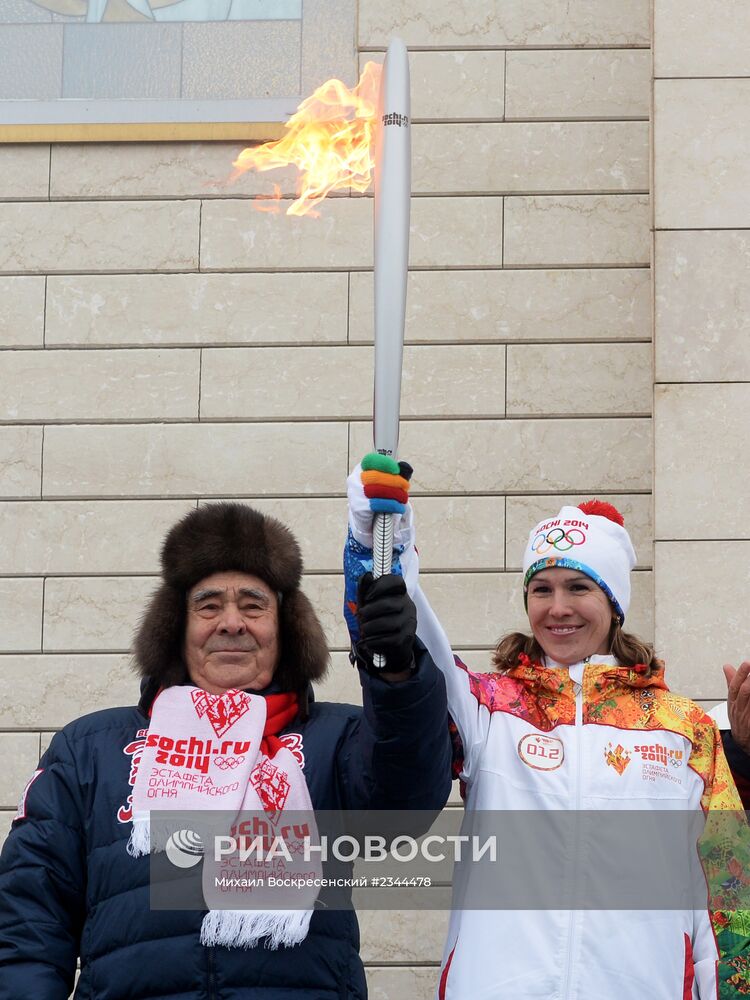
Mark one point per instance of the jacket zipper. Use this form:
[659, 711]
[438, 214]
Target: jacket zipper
[212, 995]
[574, 915]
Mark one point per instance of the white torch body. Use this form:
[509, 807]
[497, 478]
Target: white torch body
[391, 233]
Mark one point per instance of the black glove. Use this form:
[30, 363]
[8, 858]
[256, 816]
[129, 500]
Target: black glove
[387, 623]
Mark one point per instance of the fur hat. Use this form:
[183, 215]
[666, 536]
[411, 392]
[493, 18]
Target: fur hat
[219, 538]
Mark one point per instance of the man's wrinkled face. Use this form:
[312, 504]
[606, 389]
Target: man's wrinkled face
[232, 633]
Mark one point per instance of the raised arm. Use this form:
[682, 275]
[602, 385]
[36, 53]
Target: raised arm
[469, 716]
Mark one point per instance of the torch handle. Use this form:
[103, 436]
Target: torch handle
[382, 559]
[382, 547]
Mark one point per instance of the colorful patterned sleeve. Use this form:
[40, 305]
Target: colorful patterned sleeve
[725, 856]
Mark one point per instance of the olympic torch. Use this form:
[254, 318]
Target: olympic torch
[391, 234]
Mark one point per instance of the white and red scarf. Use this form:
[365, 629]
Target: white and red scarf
[226, 754]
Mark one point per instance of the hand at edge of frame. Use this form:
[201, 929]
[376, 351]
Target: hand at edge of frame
[738, 702]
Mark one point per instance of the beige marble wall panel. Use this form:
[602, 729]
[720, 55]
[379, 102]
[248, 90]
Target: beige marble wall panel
[404, 937]
[21, 311]
[157, 170]
[641, 614]
[124, 309]
[50, 691]
[585, 229]
[453, 85]
[90, 236]
[193, 459]
[460, 532]
[702, 623]
[99, 385]
[415, 982]
[25, 172]
[476, 609]
[305, 383]
[20, 461]
[463, 24]
[44, 741]
[560, 84]
[530, 156]
[19, 753]
[700, 482]
[97, 614]
[444, 231]
[694, 38]
[522, 456]
[702, 295]
[341, 683]
[522, 513]
[701, 146]
[554, 379]
[234, 236]
[21, 601]
[536, 304]
[326, 593]
[85, 536]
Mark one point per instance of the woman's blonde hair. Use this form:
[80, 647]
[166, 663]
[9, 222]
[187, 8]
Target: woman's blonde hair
[629, 650]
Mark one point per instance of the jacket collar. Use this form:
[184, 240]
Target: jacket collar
[600, 674]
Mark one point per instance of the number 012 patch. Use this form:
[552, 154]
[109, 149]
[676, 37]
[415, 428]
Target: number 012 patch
[543, 753]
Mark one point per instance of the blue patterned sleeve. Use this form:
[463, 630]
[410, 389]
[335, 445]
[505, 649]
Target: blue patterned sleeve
[357, 562]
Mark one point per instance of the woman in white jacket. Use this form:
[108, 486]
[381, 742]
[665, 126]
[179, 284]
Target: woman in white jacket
[576, 718]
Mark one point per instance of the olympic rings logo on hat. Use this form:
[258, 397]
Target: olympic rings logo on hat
[557, 538]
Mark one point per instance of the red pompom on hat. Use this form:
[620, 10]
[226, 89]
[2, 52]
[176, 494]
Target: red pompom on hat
[602, 509]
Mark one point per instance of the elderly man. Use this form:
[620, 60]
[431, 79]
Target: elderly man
[228, 641]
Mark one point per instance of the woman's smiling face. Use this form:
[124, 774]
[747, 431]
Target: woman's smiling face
[570, 616]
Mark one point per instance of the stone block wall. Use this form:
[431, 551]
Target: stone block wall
[701, 209]
[162, 343]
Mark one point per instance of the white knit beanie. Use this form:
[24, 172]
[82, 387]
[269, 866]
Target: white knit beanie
[590, 538]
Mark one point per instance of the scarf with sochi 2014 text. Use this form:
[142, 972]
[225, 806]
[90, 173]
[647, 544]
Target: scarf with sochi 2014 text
[222, 752]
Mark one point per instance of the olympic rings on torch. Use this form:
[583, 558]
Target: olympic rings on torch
[557, 538]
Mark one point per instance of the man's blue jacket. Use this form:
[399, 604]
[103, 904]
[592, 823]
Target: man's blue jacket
[68, 888]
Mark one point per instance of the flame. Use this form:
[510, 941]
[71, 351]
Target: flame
[329, 139]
